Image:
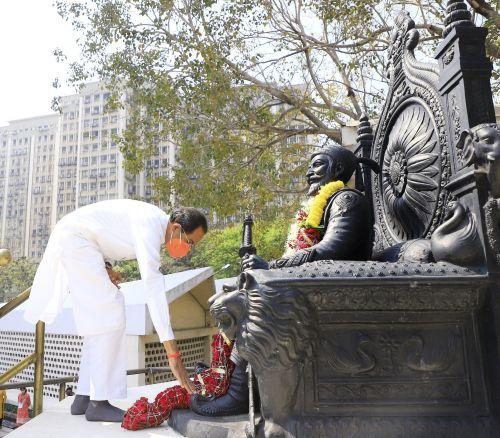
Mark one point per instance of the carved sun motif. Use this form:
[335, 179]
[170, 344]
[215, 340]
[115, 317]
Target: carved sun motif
[411, 173]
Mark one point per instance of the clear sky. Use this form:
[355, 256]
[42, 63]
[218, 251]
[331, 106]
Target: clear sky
[30, 30]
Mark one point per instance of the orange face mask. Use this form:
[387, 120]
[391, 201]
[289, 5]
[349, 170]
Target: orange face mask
[178, 248]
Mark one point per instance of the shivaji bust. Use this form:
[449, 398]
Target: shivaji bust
[335, 223]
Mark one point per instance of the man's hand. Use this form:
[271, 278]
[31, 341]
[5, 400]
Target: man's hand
[253, 262]
[180, 373]
[177, 366]
[114, 276]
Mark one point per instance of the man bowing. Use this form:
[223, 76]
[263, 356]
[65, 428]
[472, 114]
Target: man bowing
[79, 248]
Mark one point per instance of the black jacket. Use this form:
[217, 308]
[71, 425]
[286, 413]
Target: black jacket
[347, 236]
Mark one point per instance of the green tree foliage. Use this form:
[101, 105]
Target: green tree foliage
[236, 83]
[16, 277]
[129, 270]
[220, 247]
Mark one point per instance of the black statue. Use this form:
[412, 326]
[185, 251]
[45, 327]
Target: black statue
[403, 346]
[347, 235]
[410, 347]
[346, 218]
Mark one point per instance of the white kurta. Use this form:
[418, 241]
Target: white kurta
[73, 262]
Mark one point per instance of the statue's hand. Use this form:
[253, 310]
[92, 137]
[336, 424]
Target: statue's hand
[253, 262]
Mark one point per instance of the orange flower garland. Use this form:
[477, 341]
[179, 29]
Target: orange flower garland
[306, 230]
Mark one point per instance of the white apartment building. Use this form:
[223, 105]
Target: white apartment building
[27, 161]
[51, 165]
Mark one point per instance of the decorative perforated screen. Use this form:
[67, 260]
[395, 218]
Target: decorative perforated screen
[193, 350]
[62, 356]
[63, 352]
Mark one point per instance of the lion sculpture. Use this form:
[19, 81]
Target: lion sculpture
[275, 331]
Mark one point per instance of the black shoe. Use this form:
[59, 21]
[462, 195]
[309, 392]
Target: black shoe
[80, 404]
[102, 410]
[234, 402]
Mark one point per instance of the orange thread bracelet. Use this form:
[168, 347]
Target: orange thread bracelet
[174, 355]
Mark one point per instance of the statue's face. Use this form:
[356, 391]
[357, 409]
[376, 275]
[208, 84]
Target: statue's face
[322, 170]
[488, 150]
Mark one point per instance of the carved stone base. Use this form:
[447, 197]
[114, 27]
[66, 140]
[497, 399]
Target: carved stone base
[394, 427]
[194, 426]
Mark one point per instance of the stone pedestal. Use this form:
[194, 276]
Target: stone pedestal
[189, 424]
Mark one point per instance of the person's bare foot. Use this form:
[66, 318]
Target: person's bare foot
[80, 404]
[102, 410]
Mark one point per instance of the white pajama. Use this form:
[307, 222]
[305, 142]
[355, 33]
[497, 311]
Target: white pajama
[103, 374]
[73, 263]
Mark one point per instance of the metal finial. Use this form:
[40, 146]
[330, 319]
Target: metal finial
[365, 132]
[457, 15]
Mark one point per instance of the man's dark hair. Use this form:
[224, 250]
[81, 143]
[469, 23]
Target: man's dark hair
[189, 219]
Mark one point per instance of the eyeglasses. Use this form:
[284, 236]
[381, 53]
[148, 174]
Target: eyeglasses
[188, 240]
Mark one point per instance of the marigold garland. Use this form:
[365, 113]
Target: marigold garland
[318, 205]
[306, 230]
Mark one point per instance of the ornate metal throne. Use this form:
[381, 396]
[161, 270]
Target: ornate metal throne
[408, 347]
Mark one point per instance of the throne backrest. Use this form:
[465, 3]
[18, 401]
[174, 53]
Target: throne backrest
[411, 147]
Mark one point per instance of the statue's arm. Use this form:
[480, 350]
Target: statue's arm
[347, 222]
